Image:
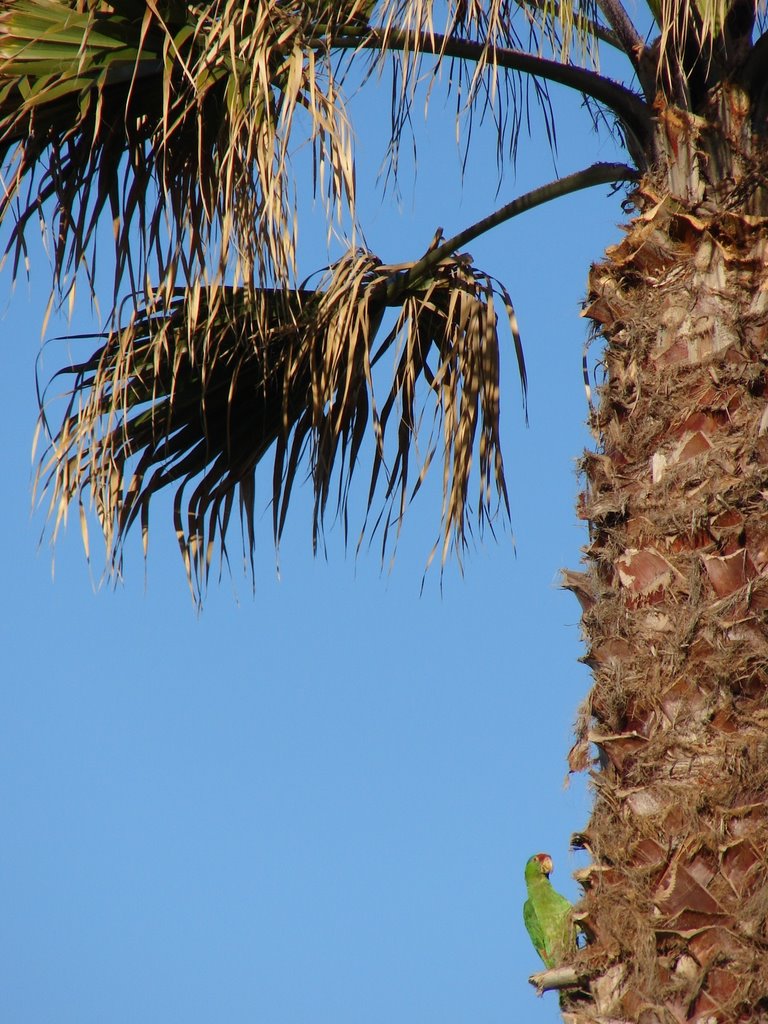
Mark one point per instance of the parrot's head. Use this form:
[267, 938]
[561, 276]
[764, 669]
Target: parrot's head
[541, 863]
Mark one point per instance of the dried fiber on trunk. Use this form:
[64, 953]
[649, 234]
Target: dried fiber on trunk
[676, 619]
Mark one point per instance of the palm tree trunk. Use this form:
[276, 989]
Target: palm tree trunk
[675, 595]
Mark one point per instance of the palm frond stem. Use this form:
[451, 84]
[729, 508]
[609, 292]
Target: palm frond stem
[631, 109]
[631, 41]
[596, 174]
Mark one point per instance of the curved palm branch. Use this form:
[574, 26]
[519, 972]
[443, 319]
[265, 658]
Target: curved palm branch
[194, 396]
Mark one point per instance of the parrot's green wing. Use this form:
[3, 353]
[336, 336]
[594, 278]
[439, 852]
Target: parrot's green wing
[554, 914]
[534, 928]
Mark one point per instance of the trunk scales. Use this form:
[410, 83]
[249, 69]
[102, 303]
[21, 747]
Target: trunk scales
[675, 596]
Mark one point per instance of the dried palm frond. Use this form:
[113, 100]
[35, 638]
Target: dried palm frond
[701, 42]
[177, 121]
[568, 30]
[495, 56]
[195, 395]
[481, 88]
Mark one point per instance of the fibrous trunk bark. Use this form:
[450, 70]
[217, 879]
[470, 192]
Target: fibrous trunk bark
[675, 595]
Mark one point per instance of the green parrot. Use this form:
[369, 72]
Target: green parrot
[546, 913]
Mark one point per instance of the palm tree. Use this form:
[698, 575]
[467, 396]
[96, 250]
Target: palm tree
[177, 122]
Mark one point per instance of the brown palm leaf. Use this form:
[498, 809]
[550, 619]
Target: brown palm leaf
[176, 120]
[194, 396]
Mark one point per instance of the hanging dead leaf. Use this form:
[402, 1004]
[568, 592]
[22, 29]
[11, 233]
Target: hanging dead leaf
[195, 394]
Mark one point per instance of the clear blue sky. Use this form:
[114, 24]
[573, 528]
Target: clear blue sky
[313, 805]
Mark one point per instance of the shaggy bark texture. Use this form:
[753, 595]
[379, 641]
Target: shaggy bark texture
[675, 595]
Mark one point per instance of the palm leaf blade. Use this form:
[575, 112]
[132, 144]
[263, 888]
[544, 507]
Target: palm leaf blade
[196, 104]
[195, 399]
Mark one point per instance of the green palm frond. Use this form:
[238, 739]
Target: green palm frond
[177, 121]
[195, 396]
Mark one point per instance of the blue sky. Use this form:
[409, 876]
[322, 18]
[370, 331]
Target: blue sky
[310, 805]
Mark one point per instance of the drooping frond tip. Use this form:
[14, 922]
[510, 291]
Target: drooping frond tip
[193, 396]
